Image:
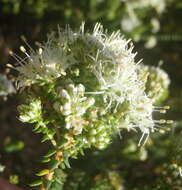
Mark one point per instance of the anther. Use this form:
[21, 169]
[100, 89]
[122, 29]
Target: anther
[9, 65]
[162, 121]
[25, 41]
[166, 107]
[63, 73]
[40, 51]
[169, 121]
[162, 111]
[16, 57]
[11, 52]
[38, 44]
[22, 49]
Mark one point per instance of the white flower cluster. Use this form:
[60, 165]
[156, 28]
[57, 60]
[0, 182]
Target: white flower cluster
[136, 12]
[159, 5]
[73, 105]
[116, 70]
[47, 64]
[6, 86]
[31, 113]
[102, 74]
[157, 82]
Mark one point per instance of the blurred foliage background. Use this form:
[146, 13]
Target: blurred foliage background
[156, 30]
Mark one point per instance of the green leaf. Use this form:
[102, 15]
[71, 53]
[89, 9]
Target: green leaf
[48, 184]
[45, 160]
[37, 126]
[58, 172]
[63, 165]
[82, 152]
[54, 164]
[50, 153]
[51, 132]
[38, 130]
[47, 121]
[58, 176]
[43, 172]
[62, 142]
[66, 161]
[14, 146]
[36, 183]
[58, 181]
[45, 138]
[44, 130]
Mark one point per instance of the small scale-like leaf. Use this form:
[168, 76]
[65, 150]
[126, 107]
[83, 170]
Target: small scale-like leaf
[44, 130]
[58, 173]
[51, 132]
[82, 152]
[45, 138]
[50, 153]
[39, 130]
[63, 165]
[43, 172]
[48, 184]
[45, 160]
[36, 183]
[62, 142]
[54, 164]
[47, 121]
[66, 161]
[37, 126]
[58, 180]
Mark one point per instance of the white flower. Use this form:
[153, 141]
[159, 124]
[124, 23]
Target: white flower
[106, 76]
[6, 86]
[128, 23]
[157, 82]
[49, 63]
[75, 122]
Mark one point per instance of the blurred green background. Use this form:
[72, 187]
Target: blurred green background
[155, 26]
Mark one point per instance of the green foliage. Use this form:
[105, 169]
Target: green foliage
[155, 166]
[82, 94]
[13, 146]
[14, 179]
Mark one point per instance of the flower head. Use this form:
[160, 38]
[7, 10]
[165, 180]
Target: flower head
[86, 87]
[95, 71]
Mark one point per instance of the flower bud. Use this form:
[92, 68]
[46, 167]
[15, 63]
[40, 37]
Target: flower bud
[64, 94]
